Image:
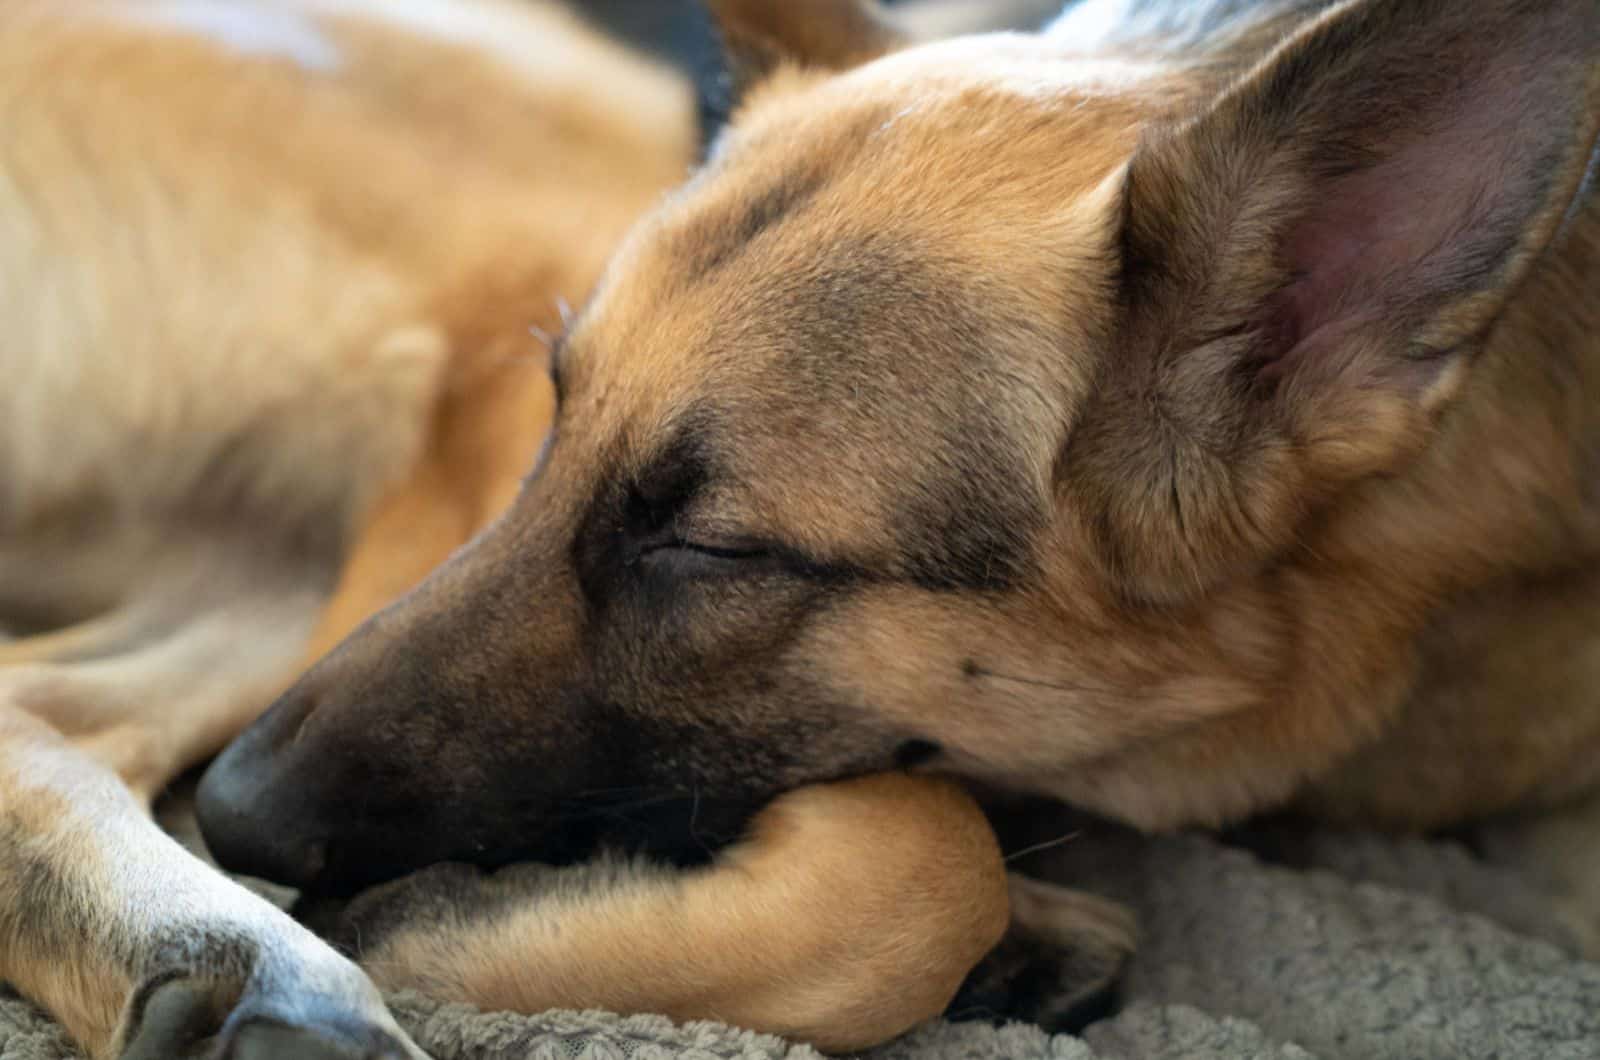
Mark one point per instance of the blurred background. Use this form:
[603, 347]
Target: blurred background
[680, 32]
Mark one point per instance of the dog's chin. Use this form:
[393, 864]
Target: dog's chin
[681, 831]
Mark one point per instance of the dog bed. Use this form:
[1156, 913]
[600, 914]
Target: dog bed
[1369, 948]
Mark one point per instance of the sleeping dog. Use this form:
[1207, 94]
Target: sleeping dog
[1185, 412]
[1188, 411]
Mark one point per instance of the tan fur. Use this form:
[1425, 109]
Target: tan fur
[482, 434]
[1181, 419]
[96, 902]
[431, 301]
[1205, 708]
[850, 914]
[84, 987]
[969, 318]
[275, 330]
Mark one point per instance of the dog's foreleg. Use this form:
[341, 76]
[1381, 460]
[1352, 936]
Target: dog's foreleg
[167, 678]
[39, 851]
[1560, 849]
[139, 948]
[81, 640]
[852, 913]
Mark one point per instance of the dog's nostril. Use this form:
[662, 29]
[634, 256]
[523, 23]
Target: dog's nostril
[292, 727]
[254, 821]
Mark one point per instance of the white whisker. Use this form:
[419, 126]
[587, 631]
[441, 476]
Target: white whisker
[1046, 845]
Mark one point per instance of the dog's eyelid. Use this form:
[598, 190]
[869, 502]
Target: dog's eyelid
[687, 527]
[713, 549]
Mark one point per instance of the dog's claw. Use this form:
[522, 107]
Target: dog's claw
[1061, 964]
[177, 1018]
[1063, 992]
[180, 1021]
[274, 1041]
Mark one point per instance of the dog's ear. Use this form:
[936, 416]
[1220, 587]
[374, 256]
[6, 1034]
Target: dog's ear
[1308, 265]
[760, 35]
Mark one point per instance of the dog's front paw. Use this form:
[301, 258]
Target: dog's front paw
[180, 1019]
[232, 1002]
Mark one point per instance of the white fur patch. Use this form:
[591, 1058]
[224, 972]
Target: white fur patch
[246, 28]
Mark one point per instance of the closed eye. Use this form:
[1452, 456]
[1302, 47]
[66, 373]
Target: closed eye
[690, 558]
[714, 551]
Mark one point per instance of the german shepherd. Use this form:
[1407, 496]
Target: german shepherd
[1188, 411]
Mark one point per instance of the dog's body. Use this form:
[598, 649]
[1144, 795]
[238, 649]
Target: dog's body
[1155, 413]
[1187, 412]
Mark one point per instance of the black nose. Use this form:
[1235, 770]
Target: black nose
[253, 821]
[314, 804]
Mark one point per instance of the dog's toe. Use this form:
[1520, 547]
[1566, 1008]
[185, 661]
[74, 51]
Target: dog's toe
[1022, 981]
[177, 1019]
[1059, 966]
[183, 1020]
[275, 1041]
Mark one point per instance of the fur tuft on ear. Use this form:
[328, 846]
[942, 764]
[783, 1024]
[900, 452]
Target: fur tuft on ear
[1309, 263]
[760, 35]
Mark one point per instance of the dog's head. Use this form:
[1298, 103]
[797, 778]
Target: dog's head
[953, 415]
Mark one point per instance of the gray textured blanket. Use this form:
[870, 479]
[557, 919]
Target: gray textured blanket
[1372, 949]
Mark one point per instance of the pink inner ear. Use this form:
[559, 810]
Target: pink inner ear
[1428, 218]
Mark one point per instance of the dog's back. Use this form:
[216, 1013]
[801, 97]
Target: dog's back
[262, 238]
[264, 265]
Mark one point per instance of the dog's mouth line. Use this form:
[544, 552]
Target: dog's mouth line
[571, 834]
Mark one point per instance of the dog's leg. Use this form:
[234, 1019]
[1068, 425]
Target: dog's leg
[1561, 850]
[160, 684]
[112, 632]
[140, 949]
[84, 639]
[851, 913]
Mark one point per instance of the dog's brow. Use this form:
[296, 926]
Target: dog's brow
[724, 237]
